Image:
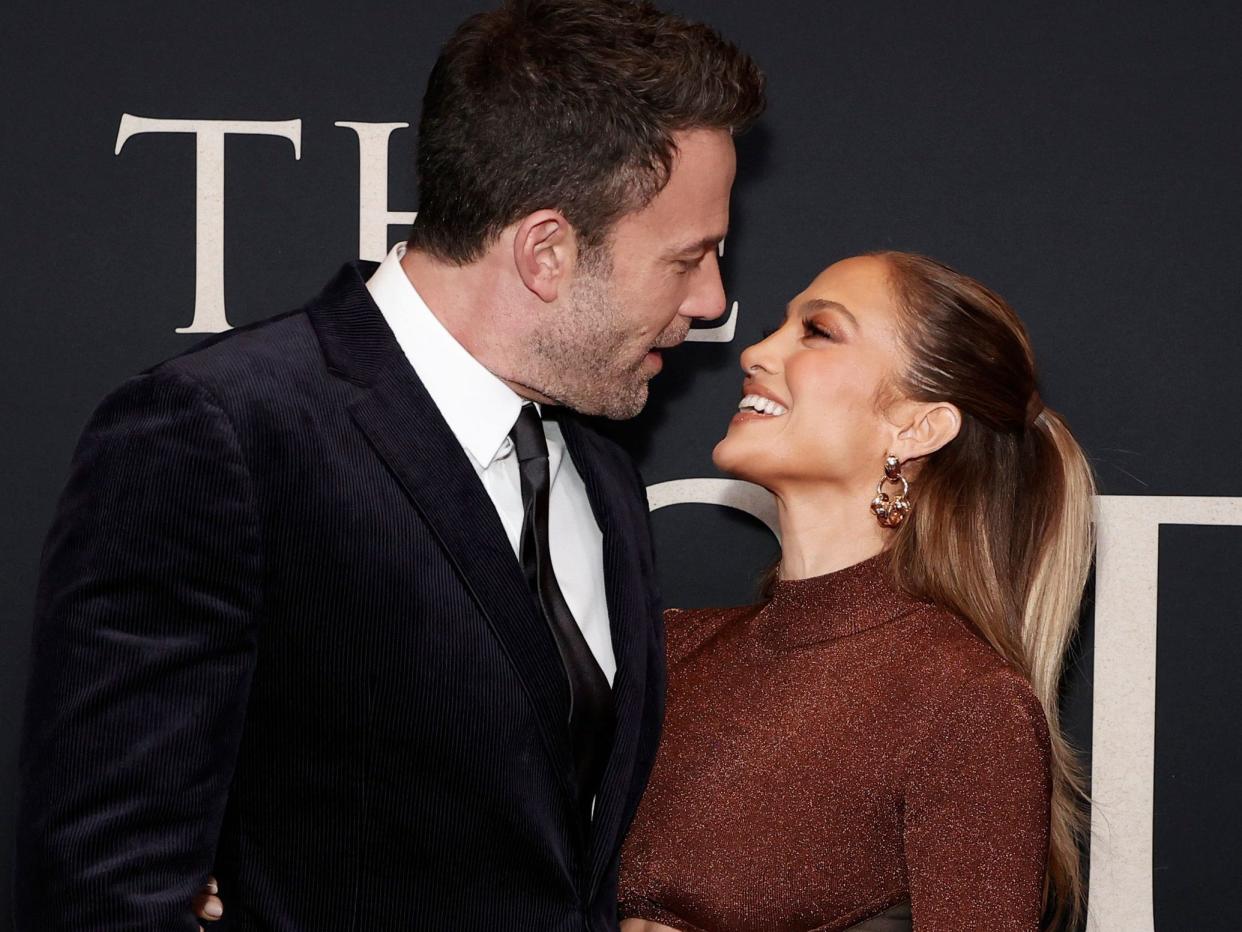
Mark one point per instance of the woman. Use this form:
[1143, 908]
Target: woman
[878, 740]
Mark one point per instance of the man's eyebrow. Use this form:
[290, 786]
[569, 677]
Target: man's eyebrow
[694, 249]
[812, 305]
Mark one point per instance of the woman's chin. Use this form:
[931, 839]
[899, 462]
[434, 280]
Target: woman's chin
[729, 456]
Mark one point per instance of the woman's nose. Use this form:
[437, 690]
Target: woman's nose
[761, 356]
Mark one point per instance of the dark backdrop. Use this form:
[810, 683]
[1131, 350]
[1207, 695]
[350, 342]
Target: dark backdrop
[1082, 158]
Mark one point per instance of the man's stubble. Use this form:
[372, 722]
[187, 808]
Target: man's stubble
[588, 361]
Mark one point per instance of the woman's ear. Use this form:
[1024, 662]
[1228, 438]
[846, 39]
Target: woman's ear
[928, 426]
[543, 248]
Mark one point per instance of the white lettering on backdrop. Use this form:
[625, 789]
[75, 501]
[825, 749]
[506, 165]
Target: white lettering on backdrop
[374, 215]
[209, 312]
[1123, 746]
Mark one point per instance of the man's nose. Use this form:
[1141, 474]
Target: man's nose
[707, 299]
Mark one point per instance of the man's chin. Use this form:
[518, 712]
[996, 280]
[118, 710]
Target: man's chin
[624, 407]
[620, 404]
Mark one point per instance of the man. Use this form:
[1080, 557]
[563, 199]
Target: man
[326, 604]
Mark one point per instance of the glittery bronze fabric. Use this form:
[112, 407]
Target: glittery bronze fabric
[837, 752]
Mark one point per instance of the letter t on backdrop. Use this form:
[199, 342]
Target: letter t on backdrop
[209, 312]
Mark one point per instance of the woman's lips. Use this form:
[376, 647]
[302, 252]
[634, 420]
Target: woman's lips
[743, 416]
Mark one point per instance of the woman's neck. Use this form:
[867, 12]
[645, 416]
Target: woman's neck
[825, 530]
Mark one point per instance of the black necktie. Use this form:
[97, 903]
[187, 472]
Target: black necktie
[591, 712]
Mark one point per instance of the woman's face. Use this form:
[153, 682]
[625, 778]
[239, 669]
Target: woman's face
[822, 377]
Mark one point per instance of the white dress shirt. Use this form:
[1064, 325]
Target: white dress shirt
[480, 410]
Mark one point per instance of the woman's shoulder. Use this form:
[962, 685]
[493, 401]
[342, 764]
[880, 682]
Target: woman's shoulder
[952, 643]
[974, 687]
[687, 629]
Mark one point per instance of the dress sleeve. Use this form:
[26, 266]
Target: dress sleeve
[976, 812]
[144, 644]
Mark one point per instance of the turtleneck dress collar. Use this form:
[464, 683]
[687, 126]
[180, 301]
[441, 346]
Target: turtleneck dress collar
[837, 604]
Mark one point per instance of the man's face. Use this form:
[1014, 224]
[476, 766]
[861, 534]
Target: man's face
[658, 271]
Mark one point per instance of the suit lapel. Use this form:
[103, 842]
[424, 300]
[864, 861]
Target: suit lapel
[621, 520]
[405, 428]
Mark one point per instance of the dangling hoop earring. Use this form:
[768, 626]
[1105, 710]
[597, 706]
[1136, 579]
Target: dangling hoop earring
[888, 512]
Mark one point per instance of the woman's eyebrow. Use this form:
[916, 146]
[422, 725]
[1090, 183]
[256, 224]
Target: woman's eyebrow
[811, 305]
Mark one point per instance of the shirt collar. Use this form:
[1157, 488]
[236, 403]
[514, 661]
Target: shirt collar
[479, 408]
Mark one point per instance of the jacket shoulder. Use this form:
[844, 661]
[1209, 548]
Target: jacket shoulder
[264, 348]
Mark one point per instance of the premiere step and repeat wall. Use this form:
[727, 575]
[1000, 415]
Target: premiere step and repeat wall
[171, 170]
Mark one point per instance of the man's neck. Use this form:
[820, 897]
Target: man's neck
[474, 303]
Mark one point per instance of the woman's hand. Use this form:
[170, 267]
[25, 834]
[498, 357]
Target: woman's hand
[208, 905]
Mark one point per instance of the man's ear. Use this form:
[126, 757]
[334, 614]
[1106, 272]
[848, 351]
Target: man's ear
[927, 426]
[543, 250]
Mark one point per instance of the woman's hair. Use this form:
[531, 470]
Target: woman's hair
[1001, 530]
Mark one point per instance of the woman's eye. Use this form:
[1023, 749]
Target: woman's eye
[815, 330]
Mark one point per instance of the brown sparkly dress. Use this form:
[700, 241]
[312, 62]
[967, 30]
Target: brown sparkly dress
[841, 757]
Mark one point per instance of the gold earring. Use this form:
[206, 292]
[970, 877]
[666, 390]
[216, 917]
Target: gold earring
[889, 512]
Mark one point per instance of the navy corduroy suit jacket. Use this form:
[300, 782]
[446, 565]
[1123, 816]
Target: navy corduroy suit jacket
[281, 635]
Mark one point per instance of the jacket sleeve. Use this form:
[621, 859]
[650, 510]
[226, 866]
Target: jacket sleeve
[976, 812]
[144, 645]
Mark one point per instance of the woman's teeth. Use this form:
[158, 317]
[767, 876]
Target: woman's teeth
[762, 405]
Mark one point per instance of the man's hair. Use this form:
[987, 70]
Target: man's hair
[566, 104]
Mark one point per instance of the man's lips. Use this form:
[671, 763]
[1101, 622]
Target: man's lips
[668, 344]
[655, 355]
[672, 338]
